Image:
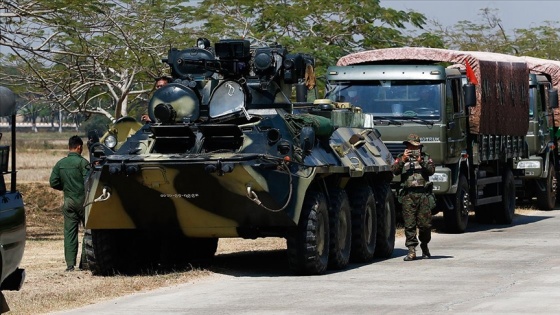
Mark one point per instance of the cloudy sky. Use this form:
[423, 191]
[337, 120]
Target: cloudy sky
[514, 14]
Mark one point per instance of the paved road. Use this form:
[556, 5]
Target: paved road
[488, 270]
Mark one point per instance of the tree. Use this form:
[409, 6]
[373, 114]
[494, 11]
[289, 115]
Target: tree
[489, 34]
[98, 56]
[325, 29]
[90, 57]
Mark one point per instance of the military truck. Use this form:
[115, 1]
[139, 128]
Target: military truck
[12, 220]
[473, 120]
[540, 170]
[231, 154]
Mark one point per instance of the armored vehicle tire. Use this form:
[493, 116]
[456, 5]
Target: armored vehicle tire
[308, 245]
[546, 200]
[364, 223]
[102, 251]
[201, 249]
[340, 228]
[386, 225]
[505, 210]
[456, 219]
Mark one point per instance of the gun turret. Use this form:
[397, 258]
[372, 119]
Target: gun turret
[214, 84]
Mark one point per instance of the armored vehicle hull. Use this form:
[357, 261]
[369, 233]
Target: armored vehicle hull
[241, 162]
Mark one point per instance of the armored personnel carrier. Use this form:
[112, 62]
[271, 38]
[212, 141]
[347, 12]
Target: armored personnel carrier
[229, 154]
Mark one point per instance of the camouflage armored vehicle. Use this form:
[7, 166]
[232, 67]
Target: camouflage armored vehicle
[12, 218]
[229, 154]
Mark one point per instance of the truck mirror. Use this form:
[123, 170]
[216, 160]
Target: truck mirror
[553, 98]
[470, 95]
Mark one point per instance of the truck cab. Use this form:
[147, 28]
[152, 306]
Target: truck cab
[403, 99]
[538, 172]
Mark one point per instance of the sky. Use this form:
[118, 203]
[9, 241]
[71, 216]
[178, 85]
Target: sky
[514, 14]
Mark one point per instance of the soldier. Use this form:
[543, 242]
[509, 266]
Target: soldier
[416, 196]
[160, 82]
[69, 175]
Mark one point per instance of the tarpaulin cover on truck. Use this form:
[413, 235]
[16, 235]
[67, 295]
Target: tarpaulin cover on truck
[502, 106]
[551, 68]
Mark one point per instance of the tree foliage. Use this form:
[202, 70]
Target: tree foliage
[325, 29]
[89, 56]
[99, 56]
[490, 34]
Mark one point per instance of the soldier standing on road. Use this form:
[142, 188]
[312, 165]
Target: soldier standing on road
[69, 175]
[416, 195]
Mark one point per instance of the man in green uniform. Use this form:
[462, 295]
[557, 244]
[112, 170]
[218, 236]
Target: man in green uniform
[69, 175]
[416, 196]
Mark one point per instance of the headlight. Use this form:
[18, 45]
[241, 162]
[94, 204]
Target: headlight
[110, 141]
[529, 164]
[439, 177]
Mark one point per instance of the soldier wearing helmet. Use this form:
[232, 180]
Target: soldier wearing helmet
[416, 197]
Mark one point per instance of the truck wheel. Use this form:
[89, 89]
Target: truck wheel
[484, 214]
[340, 227]
[364, 224]
[505, 210]
[386, 226]
[546, 200]
[308, 246]
[456, 219]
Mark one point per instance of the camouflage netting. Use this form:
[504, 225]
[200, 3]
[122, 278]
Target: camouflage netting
[551, 68]
[500, 109]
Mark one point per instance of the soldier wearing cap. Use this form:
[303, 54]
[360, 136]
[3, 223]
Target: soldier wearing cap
[415, 167]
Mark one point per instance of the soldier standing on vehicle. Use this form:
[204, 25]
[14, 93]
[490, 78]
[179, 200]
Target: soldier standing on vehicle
[69, 175]
[415, 195]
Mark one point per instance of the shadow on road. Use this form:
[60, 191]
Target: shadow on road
[274, 263]
[438, 224]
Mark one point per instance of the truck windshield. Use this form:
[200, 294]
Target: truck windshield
[399, 98]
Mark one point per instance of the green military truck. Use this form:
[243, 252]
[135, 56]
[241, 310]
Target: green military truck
[539, 172]
[470, 109]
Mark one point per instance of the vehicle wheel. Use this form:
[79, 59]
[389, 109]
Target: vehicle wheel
[546, 200]
[364, 223]
[456, 219]
[102, 251]
[201, 249]
[340, 228]
[386, 226]
[484, 214]
[308, 246]
[505, 210]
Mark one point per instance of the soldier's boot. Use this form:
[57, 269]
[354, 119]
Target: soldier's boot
[425, 251]
[411, 253]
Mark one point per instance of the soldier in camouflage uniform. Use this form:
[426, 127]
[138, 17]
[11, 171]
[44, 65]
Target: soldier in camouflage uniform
[416, 196]
[69, 175]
